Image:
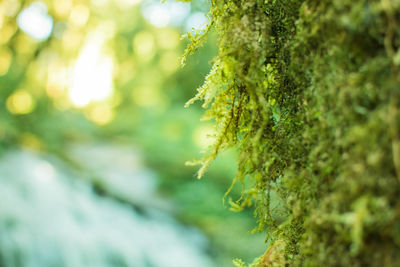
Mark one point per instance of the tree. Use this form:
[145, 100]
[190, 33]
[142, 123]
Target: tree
[308, 92]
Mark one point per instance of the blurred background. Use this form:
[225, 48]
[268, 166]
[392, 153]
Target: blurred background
[94, 137]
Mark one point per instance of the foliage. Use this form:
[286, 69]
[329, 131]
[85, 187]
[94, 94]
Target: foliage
[308, 91]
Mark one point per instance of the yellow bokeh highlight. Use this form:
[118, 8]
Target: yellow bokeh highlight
[169, 62]
[5, 60]
[100, 114]
[57, 80]
[62, 8]
[168, 38]
[20, 102]
[79, 15]
[72, 39]
[144, 45]
[54, 90]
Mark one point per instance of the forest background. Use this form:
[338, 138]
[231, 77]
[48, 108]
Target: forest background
[93, 72]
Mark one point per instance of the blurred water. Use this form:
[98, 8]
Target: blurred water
[50, 215]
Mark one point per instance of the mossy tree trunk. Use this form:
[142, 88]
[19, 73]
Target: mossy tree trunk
[309, 93]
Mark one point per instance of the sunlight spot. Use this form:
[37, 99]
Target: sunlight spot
[157, 15]
[92, 74]
[57, 80]
[101, 114]
[35, 21]
[79, 15]
[20, 102]
[179, 11]
[62, 7]
[165, 14]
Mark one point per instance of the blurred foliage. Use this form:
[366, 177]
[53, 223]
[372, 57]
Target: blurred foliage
[308, 91]
[98, 70]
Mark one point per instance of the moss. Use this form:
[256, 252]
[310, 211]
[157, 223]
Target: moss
[308, 92]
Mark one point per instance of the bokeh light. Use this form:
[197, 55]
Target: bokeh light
[20, 102]
[93, 73]
[171, 13]
[79, 15]
[196, 21]
[100, 114]
[35, 21]
[144, 45]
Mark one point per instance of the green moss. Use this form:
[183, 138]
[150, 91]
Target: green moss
[309, 93]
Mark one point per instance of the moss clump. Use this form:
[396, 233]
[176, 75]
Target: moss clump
[309, 93]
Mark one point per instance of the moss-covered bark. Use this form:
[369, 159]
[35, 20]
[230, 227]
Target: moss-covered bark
[309, 93]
